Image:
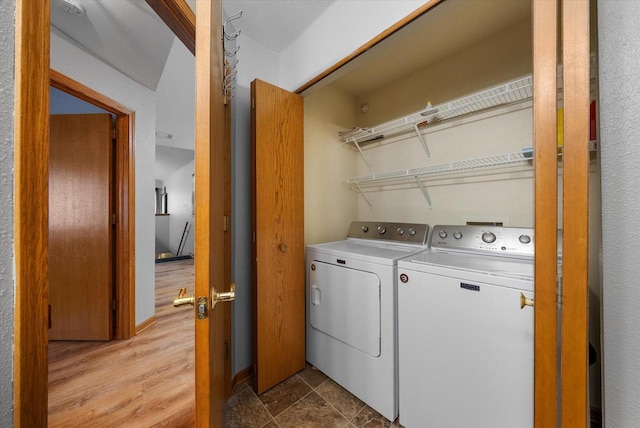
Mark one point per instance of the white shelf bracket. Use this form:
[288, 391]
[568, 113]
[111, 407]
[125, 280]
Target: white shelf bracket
[422, 141]
[355, 143]
[363, 196]
[425, 193]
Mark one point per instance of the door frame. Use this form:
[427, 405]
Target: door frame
[574, 404]
[124, 208]
[33, 78]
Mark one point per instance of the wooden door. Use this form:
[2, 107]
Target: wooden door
[212, 211]
[80, 227]
[278, 234]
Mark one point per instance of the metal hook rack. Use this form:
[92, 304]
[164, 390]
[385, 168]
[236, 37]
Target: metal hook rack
[230, 49]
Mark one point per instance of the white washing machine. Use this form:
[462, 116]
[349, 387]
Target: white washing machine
[466, 329]
[352, 309]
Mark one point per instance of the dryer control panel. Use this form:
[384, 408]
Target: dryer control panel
[408, 233]
[507, 241]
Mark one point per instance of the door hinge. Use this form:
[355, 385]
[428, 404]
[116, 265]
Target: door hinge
[115, 304]
[113, 219]
[226, 350]
[49, 316]
[227, 223]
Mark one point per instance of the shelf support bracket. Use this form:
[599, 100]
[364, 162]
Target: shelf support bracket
[363, 196]
[425, 193]
[422, 141]
[355, 143]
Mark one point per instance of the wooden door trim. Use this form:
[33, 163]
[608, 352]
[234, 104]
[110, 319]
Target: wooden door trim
[575, 194]
[31, 225]
[124, 200]
[371, 43]
[212, 204]
[179, 18]
[546, 207]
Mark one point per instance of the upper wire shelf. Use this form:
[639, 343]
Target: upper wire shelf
[508, 93]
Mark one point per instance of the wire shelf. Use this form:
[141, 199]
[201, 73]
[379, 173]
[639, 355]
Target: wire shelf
[508, 93]
[444, 168]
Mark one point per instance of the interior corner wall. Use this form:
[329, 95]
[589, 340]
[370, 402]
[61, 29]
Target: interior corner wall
[329, 205]
[619, 56]
[179, 188]
[7, 281]
[344, 27]
[86, 69]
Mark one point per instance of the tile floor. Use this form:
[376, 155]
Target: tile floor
[305, 400]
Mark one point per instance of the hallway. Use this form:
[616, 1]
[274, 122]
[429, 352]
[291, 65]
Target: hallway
[147, 381]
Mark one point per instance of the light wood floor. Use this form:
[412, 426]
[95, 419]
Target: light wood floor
[147, 381]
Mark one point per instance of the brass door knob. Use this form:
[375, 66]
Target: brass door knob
[183, 299]
[226, 296]
[525, 301]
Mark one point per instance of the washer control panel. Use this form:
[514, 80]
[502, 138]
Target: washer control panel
[511, 241]
[409, 233]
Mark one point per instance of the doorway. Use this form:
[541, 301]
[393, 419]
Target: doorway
[124, 197]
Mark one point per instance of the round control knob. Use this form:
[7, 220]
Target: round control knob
[382, 230]
[457, 234]
[524, 239]
[412, 231]
[442, 234]
[365, 229]
[400, 231]
[488, 237]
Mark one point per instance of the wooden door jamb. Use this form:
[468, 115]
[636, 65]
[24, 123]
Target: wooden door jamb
[124, 199]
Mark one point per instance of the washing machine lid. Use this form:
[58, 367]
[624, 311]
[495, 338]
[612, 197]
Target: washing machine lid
[367, 251]
[496, 267]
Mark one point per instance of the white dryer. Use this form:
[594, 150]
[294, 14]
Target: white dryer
[466, 329]
[352, 308]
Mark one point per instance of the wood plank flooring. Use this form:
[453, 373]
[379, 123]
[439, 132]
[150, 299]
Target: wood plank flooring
[147, 381]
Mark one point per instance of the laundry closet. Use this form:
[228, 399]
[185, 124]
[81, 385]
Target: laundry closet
[435, 125]
[443, 163]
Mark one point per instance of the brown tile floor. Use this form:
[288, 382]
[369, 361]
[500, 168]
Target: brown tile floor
[305, 400]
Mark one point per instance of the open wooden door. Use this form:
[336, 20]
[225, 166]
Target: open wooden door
[212, 213]
[277, 140]
[80, 227]
[212, 204]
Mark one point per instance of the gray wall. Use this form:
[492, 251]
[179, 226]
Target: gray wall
[241, 264]
[7, 13]
[619, 47]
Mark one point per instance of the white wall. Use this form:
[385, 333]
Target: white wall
[7, 283]
[179, 190]
[500, 196]
[329, 206]
[619, 62]
[502, 57]
[75, 63]
[175, 96]
[162, 234]
[344, 27]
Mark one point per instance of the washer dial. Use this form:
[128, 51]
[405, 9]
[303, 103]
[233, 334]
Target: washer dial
[488, 237]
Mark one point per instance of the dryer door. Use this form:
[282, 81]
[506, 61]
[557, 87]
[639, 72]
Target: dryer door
[345, 304]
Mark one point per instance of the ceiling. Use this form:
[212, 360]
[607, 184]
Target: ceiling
[446, 29]
[275, 24]
[129, 36]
